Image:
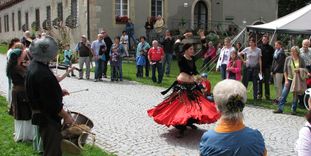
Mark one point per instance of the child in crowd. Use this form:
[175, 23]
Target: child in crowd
[124, 41]
[234, 67]
[68, 57]
[114, 63]
[140, 63]
[205, 86]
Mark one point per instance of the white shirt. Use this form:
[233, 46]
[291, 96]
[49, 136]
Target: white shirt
[303, 144]
[124, 39]
[224, 56]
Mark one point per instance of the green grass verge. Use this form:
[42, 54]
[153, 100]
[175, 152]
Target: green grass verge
[3, 48]
[129, 73]
[8, 147]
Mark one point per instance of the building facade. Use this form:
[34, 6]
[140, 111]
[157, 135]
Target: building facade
[92, 16]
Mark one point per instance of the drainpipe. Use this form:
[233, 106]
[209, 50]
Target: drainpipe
[88, 19]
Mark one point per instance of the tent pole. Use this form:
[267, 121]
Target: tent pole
[272, 37]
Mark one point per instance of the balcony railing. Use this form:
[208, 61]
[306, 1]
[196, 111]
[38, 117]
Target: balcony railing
[227, 28]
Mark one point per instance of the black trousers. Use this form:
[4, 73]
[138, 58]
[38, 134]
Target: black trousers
[105, 68]
[147, 66]
[158, 67]
[252, 75]
[266, 81]
[51, 136]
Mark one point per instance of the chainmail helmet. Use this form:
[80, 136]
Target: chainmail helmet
[44, 49]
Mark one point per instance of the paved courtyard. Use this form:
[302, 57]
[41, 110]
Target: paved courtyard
[123, 127]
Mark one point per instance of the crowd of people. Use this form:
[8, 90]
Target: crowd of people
[38, 110]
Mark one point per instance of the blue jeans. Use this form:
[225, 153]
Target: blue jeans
[157, 66]
[167, 60]
[131, 36]
[284, 95]
[99, 64]
[120, 70]
[223, 71]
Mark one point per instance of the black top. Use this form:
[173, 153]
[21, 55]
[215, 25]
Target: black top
[150, 25]
[278, 63]
[168, 45]
[109, 43]
[187, 66]
[44, 91]
[267, 55]
[84, 50]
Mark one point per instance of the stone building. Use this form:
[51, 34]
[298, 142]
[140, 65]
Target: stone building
[91, 16]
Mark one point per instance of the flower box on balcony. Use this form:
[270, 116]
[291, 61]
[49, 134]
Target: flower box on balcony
[121, 19]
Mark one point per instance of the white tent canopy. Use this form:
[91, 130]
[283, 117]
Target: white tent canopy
[298, 22]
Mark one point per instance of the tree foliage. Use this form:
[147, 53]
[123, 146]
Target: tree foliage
[288, 6]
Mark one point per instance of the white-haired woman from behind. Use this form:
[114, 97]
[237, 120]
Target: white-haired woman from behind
[231, 136]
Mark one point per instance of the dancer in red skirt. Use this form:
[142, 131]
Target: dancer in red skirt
[186, 105]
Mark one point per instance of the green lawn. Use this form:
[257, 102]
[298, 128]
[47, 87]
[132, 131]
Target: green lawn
[3, 48]
[129, 73]
[9, 147]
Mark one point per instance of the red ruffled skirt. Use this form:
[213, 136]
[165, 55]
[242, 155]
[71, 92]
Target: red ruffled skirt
[183, 104]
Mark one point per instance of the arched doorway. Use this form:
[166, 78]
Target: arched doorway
[200, 15]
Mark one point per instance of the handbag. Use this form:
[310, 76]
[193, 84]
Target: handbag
[102, 49]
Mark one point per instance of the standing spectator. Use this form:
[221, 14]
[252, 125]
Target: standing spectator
[305, 52]
[142, 55]
[129, 28]
[155, 57]
[149, 28]
[234, 67]
[108, 43]
[253, 65]
[303, 143]
[210, 55]
[98, 49]
[168, 44]
[231, 137]
[10, 48]
[83, 49]
[116, 53]
[68, 58]
[267, 57]
[292, 68]
[124, 41]
[277, 69]
[159, 26]
[224, 57]
[26, 39]
[20, 107]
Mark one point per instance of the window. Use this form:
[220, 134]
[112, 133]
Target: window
[19, 16]
[48, 13]
[121, 11]
[156, 7]
[0, 26]
[60, 11]
[26, 20]
[37, 19]
[74, 13]
[6, 23]
[13, 22]
[121, 8]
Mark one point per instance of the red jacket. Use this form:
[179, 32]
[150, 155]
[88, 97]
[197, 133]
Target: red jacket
[236, 69]
[155, 54]
[210, 53]
[207, 87]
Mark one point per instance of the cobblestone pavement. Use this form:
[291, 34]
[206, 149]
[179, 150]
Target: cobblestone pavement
[122, 125]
